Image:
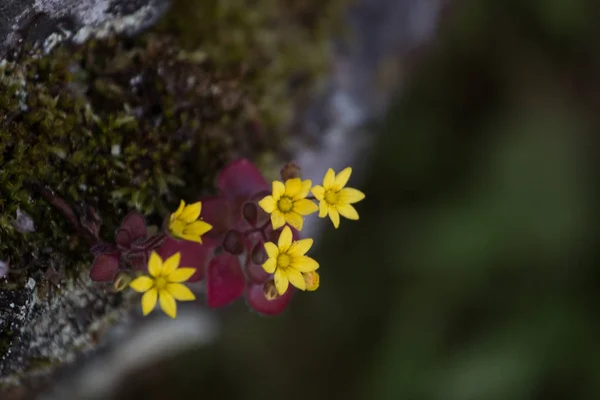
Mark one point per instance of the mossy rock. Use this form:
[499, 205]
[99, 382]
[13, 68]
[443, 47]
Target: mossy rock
[122, 123]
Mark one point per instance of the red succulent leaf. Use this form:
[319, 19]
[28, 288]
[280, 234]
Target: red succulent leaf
[138, 260]
[149, 244]
[104, 248]
[256, 272]
[255, 296]
[136, 225]
[225, 280]
[123, 238]
[105, 268]
[193, 255]
[240, 179]
[217, 211]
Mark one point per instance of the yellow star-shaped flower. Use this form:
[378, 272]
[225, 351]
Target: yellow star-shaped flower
[184, 222]
[163, 284]
[335, 199]
[288, 203]
[287, 261]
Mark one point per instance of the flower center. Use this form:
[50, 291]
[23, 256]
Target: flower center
[283, 261]
[285, 204]
[160, 283]
[176, 227]
[331, 197]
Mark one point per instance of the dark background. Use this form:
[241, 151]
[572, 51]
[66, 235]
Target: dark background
[473, 272]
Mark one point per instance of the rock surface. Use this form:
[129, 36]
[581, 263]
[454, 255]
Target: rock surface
[50, 21]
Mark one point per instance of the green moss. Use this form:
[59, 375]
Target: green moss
[123, 123]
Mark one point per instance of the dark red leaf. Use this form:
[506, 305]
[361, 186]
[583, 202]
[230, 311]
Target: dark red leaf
[138, 260]
[250, 213]
[233, 242]
[105, 268]
[225, 280]
[122, 238]
[193, 255]
[217, 211]
[240, 179]
[136, 225]
[104, 248]
[255, 296]
[256, 272]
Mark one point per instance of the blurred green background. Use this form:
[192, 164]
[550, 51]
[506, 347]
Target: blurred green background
[473, 273]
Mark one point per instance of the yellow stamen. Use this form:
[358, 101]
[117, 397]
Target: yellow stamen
[285, 204]
[331, 197]
[283, 261]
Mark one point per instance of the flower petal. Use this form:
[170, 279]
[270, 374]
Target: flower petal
[181, 275]
[323, 209]
[225, 281]
[304, 264]
[270, 265]
[305, 190]
[178, 212]
[170, 264]
[293, 187]
[190, 238]
[350, 195]
[295, 277]
[267, 204]
[180, 292]
[334, 216]
[149, 301]
[285, 240]
[300, 247]
[342, 177]
[167, 303]
[281, 281]
[277, 219]
[197, 228]
[142, 284]
[191, 212]
[294, 219]
[278, 190]
[155, 264]
[329, 179]
[272, 250]
[346, 210]
[305, 207]
[318, 192]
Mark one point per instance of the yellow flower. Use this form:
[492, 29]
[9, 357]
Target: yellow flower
[335, 199]
[184, 222]
[312, 280]
[288, 203]
[163, 284]
[287, 261]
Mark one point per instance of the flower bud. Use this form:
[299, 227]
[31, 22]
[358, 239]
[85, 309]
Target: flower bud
[233, 242]
[290, 171]
[259, 254]
[270, 291]
[312, 280]
[121, 281]
[250, 213]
